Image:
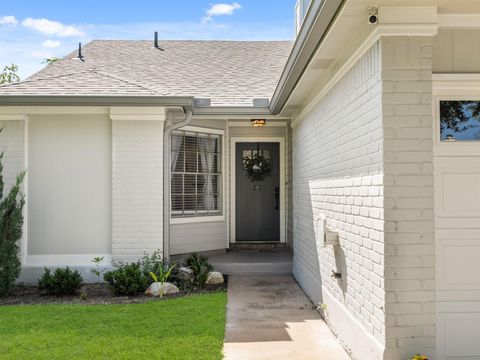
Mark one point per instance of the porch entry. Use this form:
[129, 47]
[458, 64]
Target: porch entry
[257, 198]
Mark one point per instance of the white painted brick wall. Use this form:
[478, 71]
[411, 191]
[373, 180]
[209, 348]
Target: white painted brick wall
[137, 188]
[337, 167]
[408, 191]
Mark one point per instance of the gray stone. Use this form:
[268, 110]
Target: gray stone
[185, 273]
[214, 278]
[160, 289]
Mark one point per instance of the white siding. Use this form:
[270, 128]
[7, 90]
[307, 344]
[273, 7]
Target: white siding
[337, 167]
[69, 184]
[205, 236]
[12, 146]
[137, 188]
[456, 51]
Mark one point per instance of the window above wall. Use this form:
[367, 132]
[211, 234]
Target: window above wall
[196, 186]
[456, 102]
[459, 120]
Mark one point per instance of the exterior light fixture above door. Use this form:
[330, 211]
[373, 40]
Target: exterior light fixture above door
[258, 122]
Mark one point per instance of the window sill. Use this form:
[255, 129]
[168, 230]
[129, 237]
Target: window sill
[196, 219]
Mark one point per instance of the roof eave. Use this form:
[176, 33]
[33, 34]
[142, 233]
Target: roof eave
[315, 25]
[60, 100]
[187, 103]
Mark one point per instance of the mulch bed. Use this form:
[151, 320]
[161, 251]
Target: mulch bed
[95, 294]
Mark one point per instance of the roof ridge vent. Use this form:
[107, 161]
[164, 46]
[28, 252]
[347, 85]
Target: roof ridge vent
[155, 41]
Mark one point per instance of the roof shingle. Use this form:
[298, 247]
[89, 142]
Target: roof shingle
[230, 73]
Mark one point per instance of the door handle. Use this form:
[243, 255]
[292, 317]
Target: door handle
[277, 197]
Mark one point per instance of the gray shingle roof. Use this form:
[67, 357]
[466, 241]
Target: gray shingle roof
[230, 73]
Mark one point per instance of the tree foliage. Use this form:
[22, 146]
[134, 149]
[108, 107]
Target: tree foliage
[51, 60]
[9, 74]
[455, 115]
[11, 223]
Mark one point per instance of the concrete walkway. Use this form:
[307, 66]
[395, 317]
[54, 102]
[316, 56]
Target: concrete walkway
[269, 317]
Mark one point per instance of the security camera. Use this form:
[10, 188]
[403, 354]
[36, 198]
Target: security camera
[373, 15]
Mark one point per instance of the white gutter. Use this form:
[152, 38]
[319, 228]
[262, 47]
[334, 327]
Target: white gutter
[167, 179]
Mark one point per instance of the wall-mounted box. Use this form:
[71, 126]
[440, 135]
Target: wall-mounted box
[330, 237]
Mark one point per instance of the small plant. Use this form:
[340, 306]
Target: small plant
[419, 357]
[63, 281]
[83, 296]
[127, 279]
[97, 270]
[200, 267]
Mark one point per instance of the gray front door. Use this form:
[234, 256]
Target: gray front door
[257, 203]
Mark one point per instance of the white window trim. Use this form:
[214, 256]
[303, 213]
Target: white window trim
[453, 87]
[206, 218]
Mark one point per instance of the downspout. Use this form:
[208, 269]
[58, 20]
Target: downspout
[167, 180]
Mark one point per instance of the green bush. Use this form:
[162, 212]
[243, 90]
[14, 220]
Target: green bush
[11, 222]
[127, 279]
[200, 267]
[63, 281]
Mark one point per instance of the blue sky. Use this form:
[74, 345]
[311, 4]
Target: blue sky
[31, 31]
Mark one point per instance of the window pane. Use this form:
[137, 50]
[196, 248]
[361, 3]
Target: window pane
[201, 204]
[189, 184]
[201, 183]
[177, 184]
[189, 203]
[216, 201]
[191, 142]
[177, 203]
[217, 164]
[177, 152]
[459, 120]
[217, 144]
[190, 162]
[215, 184]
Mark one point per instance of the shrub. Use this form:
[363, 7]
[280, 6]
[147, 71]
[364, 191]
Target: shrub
[11, 222]
[63, 281]
[154, 264]
[127, 279]
[200, 267]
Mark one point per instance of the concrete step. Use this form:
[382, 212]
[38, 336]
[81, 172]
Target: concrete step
[258, 245]
[253, 262]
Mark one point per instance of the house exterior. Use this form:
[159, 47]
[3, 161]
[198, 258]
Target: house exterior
[371, 120]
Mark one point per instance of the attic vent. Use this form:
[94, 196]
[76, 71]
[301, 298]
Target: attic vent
[260, 102]
[202, 102]
[155, 41]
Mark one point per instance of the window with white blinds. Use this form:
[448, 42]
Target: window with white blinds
[196, 174]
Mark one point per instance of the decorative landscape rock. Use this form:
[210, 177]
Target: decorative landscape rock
[159, 289]
[185, 272]
[214, 278]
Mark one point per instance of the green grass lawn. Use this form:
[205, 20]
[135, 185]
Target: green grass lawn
[190, 327]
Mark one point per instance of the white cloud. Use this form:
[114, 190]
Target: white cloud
[8, 20]
[49, 27]
[51, 44]
[221, 9]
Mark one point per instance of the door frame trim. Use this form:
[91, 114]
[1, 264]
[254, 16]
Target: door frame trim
[272, 139]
